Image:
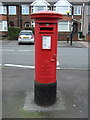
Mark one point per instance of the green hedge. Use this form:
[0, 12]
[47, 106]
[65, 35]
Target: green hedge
[89, 33]
[13, 33]
[30, 28]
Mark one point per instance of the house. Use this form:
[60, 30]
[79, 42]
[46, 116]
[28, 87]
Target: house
[3, 20]
[17, 14]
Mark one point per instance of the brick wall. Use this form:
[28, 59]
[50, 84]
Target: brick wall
[25, 18]
[3, 34]
[88, 37]
[66, 18]
[62, 36]
[75, 36]
[3, 17]
[14, 18]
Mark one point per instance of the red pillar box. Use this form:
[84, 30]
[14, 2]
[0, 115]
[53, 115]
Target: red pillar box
[46, 36]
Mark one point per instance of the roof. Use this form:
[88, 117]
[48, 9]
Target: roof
[40, 3]
[50, 1]
[63, 3]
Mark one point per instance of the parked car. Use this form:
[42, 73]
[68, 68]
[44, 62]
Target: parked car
[26, 36]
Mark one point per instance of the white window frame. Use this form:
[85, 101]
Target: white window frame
[4, 25]
[62, 12]
[76, 10]
[32, 23]
[25, 9]
[33, 8]
[3, 10]
[88, 13]
[68, 26]
[54, 8]
[26, 24]
[10, 9]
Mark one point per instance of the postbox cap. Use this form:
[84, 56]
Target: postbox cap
[46, 14]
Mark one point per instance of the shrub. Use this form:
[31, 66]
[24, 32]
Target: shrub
[30, 28]
[11, 23]
[13, 33]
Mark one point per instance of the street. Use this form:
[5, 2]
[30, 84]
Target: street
[18, 83]
[68, 57]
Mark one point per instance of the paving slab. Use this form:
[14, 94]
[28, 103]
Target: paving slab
[75, 44]
[31, 106]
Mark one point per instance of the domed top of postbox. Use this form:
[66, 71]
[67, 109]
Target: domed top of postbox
[46, 15]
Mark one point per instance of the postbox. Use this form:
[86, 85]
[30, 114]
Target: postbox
[46, 36]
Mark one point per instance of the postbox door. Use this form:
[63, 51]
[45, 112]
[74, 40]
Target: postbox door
[47, 55]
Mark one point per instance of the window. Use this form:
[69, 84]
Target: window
[38, 8]
[54, 8]
[25, 9]
[3, 10]
[77, 10]
[88, 10]
[32, 10]
[64, 26]
[89, 27]
[3, 25]
[12, 10]
[62, 9]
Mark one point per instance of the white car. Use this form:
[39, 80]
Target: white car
[26, 36]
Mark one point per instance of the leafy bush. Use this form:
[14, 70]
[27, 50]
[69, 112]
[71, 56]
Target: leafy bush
[30, 28]
[11, 23]
[13, 33]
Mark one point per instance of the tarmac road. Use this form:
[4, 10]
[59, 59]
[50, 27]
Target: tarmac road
[69, 57]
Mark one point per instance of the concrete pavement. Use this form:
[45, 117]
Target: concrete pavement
[86, 44]
[78, 44]
[72, 95]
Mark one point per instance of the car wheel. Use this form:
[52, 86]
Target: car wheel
[19, 43]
